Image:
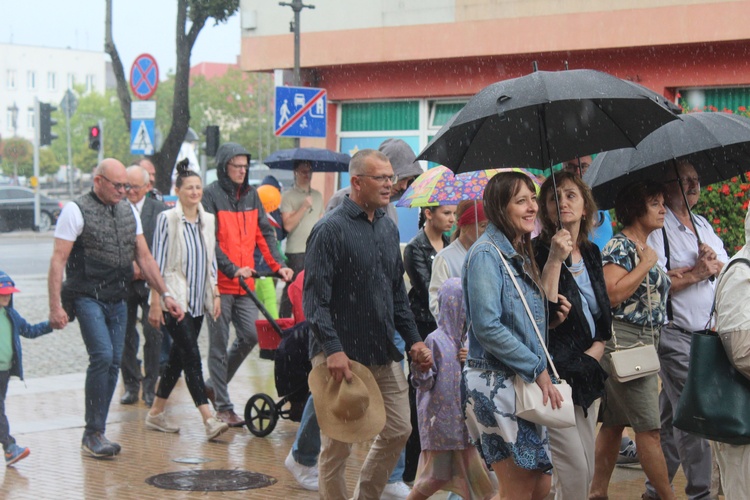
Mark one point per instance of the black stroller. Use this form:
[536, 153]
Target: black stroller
[288, 348]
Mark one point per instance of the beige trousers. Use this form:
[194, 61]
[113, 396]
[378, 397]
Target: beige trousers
[573, 456]
[734, 464]
[385, 449]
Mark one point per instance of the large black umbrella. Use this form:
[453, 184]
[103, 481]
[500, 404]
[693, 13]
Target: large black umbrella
[716, 144]
[545, 118]
[322, 160]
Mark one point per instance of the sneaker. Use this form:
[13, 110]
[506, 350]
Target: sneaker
[214, 428]
[628, 452]
[16, 453]
[395, 491]
[307, 477]
[159, 423]
[97, 446]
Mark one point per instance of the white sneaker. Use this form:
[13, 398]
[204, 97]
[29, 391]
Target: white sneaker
[307, 477]
[214, 428]
[395, 491]
[159, 423]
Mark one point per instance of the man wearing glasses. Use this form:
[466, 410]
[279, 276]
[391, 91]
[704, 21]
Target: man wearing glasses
[354, 300]
[241, 225]
[691, 267]
[406, 168]
[301, 207]
[134, 381]
[97, 238]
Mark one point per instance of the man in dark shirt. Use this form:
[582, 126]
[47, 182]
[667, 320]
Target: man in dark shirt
[354, 301]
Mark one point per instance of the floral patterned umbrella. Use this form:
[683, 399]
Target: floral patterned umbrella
[440, 186]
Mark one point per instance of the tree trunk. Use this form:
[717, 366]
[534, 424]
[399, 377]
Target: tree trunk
[123, 93]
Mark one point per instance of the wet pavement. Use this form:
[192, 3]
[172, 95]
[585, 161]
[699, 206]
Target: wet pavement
[46, 414]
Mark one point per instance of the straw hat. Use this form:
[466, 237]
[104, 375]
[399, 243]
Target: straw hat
[348, 412]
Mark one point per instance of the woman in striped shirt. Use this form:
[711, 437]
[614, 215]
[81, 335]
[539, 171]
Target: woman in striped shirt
[184, 244]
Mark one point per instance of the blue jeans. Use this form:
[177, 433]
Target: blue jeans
[103, 331]
[306, 446]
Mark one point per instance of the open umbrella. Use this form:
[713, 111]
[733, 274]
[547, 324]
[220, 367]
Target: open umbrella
[716, 144]
[545, 118]
[440, 186]
[322, 160]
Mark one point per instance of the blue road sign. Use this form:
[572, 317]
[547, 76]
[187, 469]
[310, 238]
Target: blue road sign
[142, 137]
[144, 76]
[300, 112]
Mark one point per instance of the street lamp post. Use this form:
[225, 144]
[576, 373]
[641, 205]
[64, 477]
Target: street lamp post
[297, 7]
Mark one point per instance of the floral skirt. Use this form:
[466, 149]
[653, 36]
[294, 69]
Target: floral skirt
[492, 423]
[459, 471]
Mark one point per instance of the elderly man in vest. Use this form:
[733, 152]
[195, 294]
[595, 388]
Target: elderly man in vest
[97, 238]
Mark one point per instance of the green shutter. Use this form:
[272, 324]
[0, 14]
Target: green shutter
[379, 116]
[730, 99]
[444, 112]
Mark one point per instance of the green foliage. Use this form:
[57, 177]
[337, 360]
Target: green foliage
[220, 10]
[725, 204]
[18, 157]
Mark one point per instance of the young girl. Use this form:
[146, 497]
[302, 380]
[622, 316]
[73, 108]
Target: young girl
[448, 461]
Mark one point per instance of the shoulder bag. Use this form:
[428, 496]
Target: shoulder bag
[715, 402]
[529, 396]
[636, 361]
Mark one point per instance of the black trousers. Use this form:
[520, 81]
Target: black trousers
[129, 365]
[184, 356]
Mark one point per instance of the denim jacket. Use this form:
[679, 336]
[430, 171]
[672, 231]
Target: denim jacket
[501, 335]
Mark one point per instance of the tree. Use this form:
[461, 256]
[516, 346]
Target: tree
[18, 158]
[197, 12]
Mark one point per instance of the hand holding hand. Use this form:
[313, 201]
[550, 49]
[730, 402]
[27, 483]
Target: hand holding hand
[58, 318]
[463, 353]
[174, 308]
[421, 355]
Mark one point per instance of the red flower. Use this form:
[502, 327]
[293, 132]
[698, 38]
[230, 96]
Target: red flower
[734, 180]
[739, 195]
[679, 95]
[745, 205]
[744, 187]
[737, 248]
[717, 221]
[725, 190]
[741, 108]
[709, 188]
[725, 230]
[718, 230]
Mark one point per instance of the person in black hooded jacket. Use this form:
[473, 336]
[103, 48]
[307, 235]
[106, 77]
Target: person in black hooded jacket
[577, 344]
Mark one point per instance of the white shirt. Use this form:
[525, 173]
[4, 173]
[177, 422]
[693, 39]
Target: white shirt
[70, 223]
[448, 263]
[691, 306]
[139, 206]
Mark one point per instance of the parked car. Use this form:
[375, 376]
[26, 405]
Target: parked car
[17, 209]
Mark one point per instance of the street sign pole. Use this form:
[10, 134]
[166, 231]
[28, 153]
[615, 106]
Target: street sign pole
[37, 140]
[66, 107]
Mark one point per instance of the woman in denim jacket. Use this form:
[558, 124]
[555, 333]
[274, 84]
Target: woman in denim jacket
[502, 340]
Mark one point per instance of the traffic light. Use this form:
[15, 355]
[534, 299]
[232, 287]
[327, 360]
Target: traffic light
[212, 140]
[95, 138]
[46, 123]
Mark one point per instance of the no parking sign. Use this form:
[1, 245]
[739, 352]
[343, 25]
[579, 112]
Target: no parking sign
[144, 76]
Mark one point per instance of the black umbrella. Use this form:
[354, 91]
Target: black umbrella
[716, 144]
[322, 160]
[545, 118]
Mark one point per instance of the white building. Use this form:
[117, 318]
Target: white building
[27, 72]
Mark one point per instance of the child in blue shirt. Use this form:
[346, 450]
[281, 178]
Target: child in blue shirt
[12, 325]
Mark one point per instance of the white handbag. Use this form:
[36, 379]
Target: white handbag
[529, 396]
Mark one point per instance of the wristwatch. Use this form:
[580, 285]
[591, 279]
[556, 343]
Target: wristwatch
[165, 295]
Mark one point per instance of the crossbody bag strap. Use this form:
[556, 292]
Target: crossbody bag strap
[670, 315]
[528, 311]
[650, 317]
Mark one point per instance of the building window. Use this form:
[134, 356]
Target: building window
[51, 81]
[89, 83]
[30, 118]
[442, 111]
[31, 80]
[11, 79]
[71, 80]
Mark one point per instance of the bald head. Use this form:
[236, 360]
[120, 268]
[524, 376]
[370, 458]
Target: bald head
[108, 176]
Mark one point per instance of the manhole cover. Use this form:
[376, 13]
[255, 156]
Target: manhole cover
[211, 480]
[192, 460]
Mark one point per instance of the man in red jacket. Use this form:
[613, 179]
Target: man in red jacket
[241, 225]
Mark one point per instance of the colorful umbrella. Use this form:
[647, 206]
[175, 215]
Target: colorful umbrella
[440, 186]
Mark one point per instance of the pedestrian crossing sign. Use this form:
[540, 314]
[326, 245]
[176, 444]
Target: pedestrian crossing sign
[142, 137]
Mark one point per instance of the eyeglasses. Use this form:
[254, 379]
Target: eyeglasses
[235, 165]
[119, 186]
[381, 179]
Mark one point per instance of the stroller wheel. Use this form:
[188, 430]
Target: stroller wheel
[261, 415]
